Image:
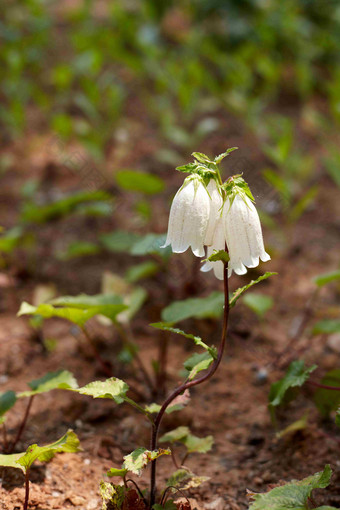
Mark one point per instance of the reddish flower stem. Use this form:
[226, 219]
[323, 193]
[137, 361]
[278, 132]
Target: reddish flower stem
[27, 489]
[189, 384]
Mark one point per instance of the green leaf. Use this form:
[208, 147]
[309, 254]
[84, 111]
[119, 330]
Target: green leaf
[293, 495]
[112, 495]
[188, 168]
[218, 255]
[326, 326]
[177, 435]
[40, 214]
[193, 443]
[219, 158]
[61, 379]
[328, 400]
[296, 375]
[77, 309]
[177, 404]
[184, 479]
[138, 459]
[112, 388]
[7, 401]
[141, 271]
[323, 279]
[198, 362]
[297, 425]
[142, 182]
[200, 308]
[258, 303]
[238, 293]
[10, 239]
[67, 443]
[326, 508]
[302, 204]
[202, 158]
[117, 472]
[78, 249]
[119, 241]
[151, 244]
[198, 340]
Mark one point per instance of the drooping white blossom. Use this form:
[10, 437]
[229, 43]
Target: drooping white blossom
[189, 217]
[243, 234]
[215, 212]
[218, 243]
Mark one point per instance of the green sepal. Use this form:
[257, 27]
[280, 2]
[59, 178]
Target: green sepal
[236, 185]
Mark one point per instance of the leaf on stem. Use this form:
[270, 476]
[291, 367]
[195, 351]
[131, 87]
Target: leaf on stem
[193, 443]
[221, 255]
[296, 375]
[201, 308]
[219, 158]
[238, 293]
[198, 341]
[139, 458]
[61, 379]
[67, 443]
[176, 405]
[198, 362]
[77, 309]
[112, 388]
[293, 495]
[185, 479]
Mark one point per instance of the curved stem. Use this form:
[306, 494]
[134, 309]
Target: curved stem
[189, 384]
[323, 386]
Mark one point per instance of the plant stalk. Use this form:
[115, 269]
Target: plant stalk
[23, 425]
[27, 489]
[189, 384]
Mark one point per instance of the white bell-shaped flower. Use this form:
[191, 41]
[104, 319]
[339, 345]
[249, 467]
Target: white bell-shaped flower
[215, 212]
[218, 243]
[189, 217]
[243, 234]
